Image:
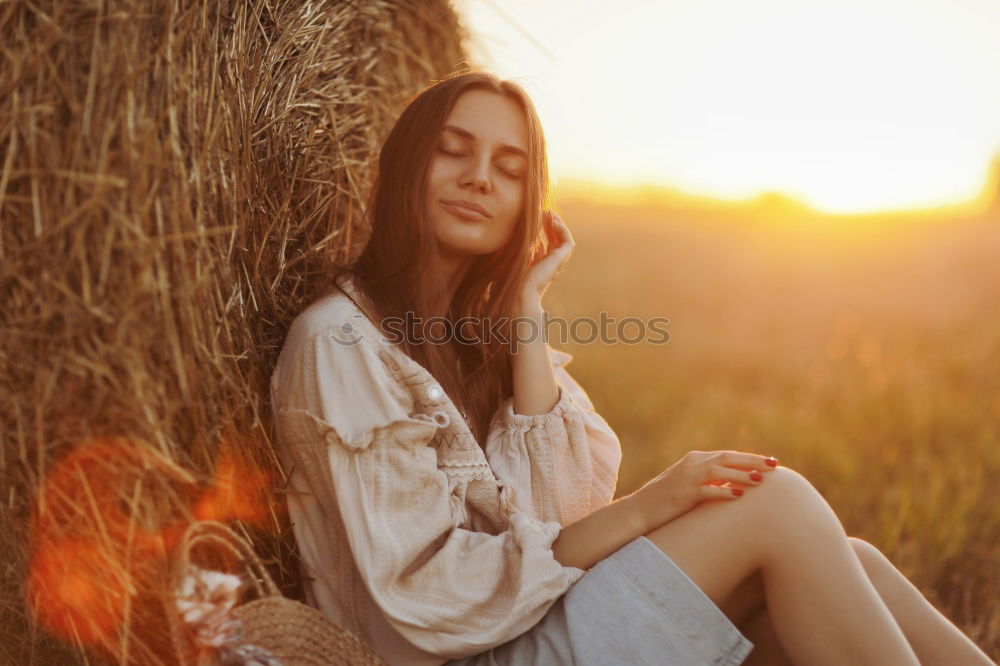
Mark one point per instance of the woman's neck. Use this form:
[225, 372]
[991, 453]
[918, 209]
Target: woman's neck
[451, 270]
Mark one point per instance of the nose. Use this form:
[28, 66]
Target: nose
[478, 176]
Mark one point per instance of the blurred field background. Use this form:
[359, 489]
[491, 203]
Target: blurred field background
[862, 351]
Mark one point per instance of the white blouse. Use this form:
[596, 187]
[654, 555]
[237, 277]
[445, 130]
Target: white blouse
[425, 545]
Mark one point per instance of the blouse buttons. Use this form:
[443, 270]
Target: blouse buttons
[435, 392]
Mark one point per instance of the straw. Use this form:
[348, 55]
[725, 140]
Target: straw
[176, 181]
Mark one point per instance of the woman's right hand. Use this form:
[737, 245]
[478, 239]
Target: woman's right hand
[696, 477]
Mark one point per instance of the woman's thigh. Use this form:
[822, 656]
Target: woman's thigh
[722, 544]
[747, 607]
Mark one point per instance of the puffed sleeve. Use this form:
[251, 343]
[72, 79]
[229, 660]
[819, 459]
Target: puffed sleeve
[450, 591]
[564, 463]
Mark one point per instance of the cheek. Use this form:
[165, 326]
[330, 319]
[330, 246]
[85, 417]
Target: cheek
[436, 186]
[436, 174]
[513, 203]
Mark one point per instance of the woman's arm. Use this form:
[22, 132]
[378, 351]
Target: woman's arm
[547, 440]
[689, 481]
[595, 536]
[535, 388]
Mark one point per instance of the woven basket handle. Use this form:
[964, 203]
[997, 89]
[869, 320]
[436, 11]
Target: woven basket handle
[210, 532]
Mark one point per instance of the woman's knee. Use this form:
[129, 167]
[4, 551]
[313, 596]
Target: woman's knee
[781, 487]
[866, 552]
[786, 499]
[872, 559]
[788, 479]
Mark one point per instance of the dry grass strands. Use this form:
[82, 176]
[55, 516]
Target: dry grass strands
[176, 181]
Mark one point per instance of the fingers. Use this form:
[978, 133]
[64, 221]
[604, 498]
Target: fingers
[551, 233]
[562, 229]
[720, 492]
[725, 474]
[561, 226]
[559, 234]
[721, 473]
[558, 253]
[741, 460]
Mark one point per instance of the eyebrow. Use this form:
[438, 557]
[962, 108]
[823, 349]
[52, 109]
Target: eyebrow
[505, 148]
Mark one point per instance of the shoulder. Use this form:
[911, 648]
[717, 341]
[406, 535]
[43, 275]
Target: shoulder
[332, 342]
[341, 314]
[334, 374]
[333, 312]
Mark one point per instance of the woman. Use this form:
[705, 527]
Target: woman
[452, 500]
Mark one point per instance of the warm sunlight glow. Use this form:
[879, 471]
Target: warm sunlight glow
[845, 106]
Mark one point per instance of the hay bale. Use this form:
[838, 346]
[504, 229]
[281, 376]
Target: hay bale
[176, 181]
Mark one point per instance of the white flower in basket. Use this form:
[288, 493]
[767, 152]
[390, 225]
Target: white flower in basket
[205, 600]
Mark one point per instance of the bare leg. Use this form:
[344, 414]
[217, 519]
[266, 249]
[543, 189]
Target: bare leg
[934, 638]
[824, 608]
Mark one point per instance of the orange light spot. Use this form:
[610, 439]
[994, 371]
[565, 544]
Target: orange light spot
[73, 592]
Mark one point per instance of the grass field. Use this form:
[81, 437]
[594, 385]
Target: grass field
[862, 352]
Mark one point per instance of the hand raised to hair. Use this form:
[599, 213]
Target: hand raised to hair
[545, 268]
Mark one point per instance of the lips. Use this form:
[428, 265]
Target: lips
[466, 209]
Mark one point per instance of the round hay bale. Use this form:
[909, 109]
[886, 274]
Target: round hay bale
[176, 181]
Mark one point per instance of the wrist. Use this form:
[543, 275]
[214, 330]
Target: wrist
[530, 306]
[638, 515]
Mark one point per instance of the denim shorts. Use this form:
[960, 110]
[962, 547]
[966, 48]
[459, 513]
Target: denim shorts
[635, 606]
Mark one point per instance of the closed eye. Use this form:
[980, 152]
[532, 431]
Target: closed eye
[506, 172]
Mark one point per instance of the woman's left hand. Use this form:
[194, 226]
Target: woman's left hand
[545, 268]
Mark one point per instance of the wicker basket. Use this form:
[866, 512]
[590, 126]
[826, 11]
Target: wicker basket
[294, 633]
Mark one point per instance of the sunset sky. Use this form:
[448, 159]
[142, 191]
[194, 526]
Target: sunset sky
[847, 106]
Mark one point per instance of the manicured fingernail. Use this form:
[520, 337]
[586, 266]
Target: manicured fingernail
[737, 491]
[756, 476]
[772, 461]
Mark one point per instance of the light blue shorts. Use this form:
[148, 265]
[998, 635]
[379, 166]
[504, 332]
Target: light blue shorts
[633, 607]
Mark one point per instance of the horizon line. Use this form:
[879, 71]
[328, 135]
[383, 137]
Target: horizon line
[774, 200]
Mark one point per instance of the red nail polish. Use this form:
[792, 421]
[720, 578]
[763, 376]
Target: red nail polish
[737, 491]
[772, 461]
[756, 476]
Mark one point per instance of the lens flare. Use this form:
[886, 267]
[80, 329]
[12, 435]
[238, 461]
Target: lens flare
[105, 520]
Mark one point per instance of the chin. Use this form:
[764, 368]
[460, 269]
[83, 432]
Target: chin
[468, 249]
[460, 243]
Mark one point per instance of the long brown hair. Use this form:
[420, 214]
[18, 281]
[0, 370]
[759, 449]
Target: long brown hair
[396, 268]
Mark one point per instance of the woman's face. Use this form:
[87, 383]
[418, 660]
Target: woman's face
[481, 159]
